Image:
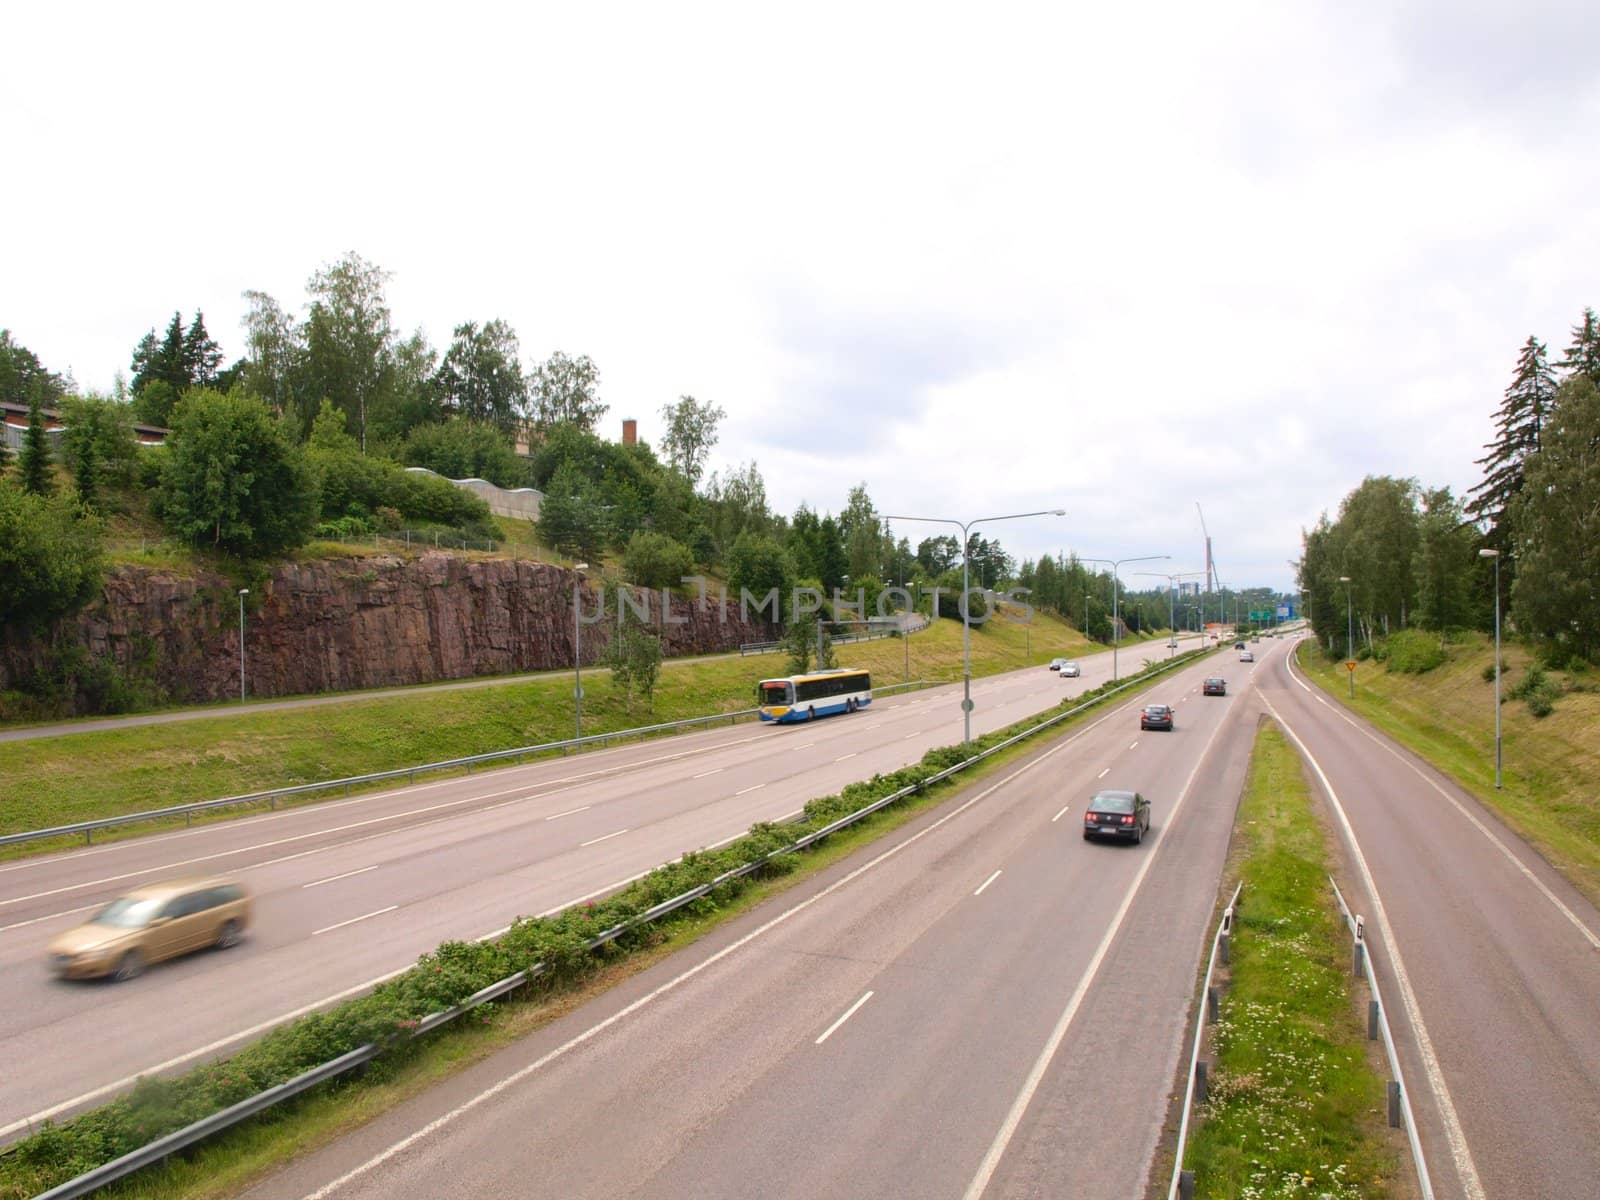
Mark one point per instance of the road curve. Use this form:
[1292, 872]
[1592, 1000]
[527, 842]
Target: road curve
[1489, 960]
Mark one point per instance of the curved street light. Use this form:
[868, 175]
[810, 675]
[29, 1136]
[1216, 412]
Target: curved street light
[966, 622]
[1116, 625]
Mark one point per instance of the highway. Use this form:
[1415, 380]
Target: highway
[350, 892]
[980, 1004]
[1490, 962]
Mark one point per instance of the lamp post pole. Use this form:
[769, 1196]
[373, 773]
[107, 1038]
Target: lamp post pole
[1349, 636]
[1172, 601]
[966, 621]
[1116, 624]
[243, 592]
[1495, 554]
[577, 648]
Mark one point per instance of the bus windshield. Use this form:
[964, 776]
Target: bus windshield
[776, 691]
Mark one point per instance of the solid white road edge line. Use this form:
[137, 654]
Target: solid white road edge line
[595, 1030]
[1527, 873]
[1008, 1127]
[1466, 1170]
[848, 1013]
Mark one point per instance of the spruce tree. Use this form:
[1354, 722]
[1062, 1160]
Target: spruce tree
[1583, 356]
[1519, 424]
[35, 459]
[200, 356]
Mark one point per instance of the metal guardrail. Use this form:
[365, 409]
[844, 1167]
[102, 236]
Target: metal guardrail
[1183, 1181]
[272, 795]
[1378, 1022]
[180, 1139]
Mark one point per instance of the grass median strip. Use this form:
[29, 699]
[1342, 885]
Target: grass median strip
[444, 978]
[1296, 1107]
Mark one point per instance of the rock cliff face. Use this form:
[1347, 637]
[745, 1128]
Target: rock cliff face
[360, 623]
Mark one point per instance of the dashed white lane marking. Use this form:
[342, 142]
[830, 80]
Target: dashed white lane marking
[333, 878]
[848, 1013]
[986, 883]
[598, 840]
[571, 812]
[353, 920]
[1060, 814]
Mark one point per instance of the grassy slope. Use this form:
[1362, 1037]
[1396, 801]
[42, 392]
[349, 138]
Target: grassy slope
[1295, 1106]
[57, 781]
[1447, 716]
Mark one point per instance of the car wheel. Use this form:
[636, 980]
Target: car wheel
[131, 967]
[1087, 836]
[228, 935]
[1138, 835]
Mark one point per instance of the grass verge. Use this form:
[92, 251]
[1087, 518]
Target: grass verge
[1446, 715]
[445, 977]
[1296, 1107]
[110, 772]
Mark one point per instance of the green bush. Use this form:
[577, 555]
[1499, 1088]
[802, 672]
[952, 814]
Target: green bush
[654, 560]
[1539, 691]
[1488, 673]
[1414, 652]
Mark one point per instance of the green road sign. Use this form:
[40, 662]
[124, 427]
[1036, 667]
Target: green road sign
[1261, 614]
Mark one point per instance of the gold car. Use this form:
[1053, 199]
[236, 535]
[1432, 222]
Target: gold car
[151, 923]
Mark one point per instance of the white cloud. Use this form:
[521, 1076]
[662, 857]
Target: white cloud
[985, 260]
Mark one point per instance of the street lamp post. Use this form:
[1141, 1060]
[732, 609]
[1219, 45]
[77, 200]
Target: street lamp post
[966, 622]
[1349, 636]
[577, 648]
[1172, 601]
[1116, 625]
[243, 592]
[1495, 554]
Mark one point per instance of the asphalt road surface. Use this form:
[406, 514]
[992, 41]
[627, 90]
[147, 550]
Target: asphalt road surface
[981, 1004]
[350, 892]
[1489, 961]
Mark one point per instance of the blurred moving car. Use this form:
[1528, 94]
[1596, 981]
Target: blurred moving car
[1069, 670]
[1117, 814]
[1156, 716]
[151, 923]
[1246, 656]
[1057, 663]
[1238, 645]
[1215, 686]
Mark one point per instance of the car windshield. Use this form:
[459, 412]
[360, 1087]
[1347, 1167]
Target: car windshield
[1112, 802]
[127, 913]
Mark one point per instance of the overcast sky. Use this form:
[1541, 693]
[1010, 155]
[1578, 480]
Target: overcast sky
[984, 258]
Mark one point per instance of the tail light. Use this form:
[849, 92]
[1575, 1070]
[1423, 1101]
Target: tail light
[1127, 820]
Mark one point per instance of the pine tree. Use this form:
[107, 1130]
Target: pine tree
[1583, 356]
[35, 460]
[1519, 423]
[200, 355]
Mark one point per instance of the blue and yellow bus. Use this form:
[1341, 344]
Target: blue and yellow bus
[807, 697]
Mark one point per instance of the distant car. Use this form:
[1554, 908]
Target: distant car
[1156, 716]
[1215, 686]
[1238, 645]
[1057, 663]
[1172, 643]
[1255, 637]
[1117, 814]
[151, 923]
[1069, 670]
[1246, 656]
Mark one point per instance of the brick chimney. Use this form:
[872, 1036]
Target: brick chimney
[630, 431]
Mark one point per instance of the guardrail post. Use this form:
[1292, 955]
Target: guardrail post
[1211, 1006]
[1201, 1092]
[1359, 955]
[88, 837]
[1185, 1185]
[1373, 1015]
[1394, 1104]
[1222, 948]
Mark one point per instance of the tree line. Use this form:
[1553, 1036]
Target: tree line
[1400, 555]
